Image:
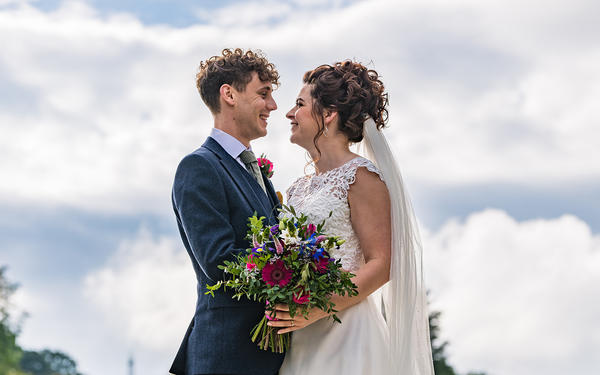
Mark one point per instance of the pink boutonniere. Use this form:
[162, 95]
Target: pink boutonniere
[265, 165]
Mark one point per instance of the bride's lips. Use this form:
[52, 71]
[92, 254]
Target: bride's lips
[294, 124]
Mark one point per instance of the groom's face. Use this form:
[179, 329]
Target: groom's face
[253, 106]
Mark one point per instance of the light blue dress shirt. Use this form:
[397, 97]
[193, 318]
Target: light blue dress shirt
[230, 144]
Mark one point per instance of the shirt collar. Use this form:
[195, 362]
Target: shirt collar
[229, 143]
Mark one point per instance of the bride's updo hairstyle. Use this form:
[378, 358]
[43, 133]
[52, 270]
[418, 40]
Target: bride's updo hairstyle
[352, 90]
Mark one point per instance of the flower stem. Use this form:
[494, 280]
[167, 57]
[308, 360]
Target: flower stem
[268, 338]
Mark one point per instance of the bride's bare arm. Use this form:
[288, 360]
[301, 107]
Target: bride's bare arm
[369, 202]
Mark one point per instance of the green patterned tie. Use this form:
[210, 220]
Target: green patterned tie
[249, 159]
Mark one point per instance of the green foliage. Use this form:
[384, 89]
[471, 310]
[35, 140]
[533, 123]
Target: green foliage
[10, 352]
[6, 289]
[13, 360]
[48, 362]
[440, 362]
[301, 251]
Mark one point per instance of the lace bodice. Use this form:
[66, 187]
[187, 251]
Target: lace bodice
[318, 195]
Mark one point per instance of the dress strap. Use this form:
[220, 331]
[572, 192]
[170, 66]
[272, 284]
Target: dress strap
[359, 162]
[347, 174]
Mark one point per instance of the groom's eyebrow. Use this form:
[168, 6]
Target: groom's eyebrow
[265, 87]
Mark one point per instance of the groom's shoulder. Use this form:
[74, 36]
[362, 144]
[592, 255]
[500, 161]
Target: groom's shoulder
[202, 153]
[200, 160]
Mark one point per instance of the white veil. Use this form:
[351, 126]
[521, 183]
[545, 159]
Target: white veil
[404, 296]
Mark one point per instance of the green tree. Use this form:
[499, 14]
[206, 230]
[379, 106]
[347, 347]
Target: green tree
[10, 352]
[48, 362]
[440, 362]
[15, 361]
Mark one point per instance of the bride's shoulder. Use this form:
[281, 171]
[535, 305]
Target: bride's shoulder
[361, 165]
[366, 184]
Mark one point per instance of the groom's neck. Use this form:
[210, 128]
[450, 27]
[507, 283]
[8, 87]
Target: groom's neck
[230, 127]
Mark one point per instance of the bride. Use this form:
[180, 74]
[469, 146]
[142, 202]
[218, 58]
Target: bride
[384, 329]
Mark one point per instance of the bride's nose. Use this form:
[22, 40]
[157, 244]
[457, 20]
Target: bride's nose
[291, 114]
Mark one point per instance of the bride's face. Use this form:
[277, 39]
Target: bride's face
[304, 126]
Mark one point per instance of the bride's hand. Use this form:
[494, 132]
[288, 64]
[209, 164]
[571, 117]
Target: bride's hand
[289, 324]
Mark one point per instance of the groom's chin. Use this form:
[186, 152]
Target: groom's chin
[261, 131]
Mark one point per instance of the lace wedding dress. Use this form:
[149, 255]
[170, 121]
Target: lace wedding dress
[359, 345]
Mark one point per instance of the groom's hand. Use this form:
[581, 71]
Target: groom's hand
[289, 324]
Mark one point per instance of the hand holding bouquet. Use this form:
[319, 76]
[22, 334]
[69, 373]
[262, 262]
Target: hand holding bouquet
[289, 263]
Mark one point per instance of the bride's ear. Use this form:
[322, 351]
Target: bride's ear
[330, 117]
[226, 93]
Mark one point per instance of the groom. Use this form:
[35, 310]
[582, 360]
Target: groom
[216, 188]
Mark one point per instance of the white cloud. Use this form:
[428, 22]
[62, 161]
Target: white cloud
[138, 302]
[514, 296]
[480, 93]
[246, 14]
[60, 318]
[517, 298]
[146, 292]
[96, 111]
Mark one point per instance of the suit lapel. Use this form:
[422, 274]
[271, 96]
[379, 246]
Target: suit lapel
[270, 191]
[244, 181]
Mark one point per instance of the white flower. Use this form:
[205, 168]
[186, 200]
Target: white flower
[289, 238]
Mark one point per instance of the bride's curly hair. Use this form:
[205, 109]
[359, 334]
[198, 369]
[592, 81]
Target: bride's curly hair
[352, 90]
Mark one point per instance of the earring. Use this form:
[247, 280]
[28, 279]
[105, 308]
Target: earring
[325, 131]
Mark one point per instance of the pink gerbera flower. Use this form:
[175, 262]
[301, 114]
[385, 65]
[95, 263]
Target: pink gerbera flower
[301, 296]
[322, 264]
[276, 273]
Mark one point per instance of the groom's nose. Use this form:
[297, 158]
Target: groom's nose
[271, 105]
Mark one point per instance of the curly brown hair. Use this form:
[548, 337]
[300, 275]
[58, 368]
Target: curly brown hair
[233, 67]
[352, 90]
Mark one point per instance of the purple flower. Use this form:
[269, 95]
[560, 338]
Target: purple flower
[258, 250]
[320, 239]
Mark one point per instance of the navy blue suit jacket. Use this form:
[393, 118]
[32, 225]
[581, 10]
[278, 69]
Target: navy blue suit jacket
[213, 196]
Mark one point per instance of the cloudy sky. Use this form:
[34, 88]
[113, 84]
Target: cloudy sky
[493, 117]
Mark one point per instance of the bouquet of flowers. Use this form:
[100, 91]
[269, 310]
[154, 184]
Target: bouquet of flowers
[289, 263]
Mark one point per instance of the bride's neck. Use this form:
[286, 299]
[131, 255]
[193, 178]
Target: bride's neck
[332, 155]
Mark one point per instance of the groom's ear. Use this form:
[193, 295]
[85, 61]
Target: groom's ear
[226, 93]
